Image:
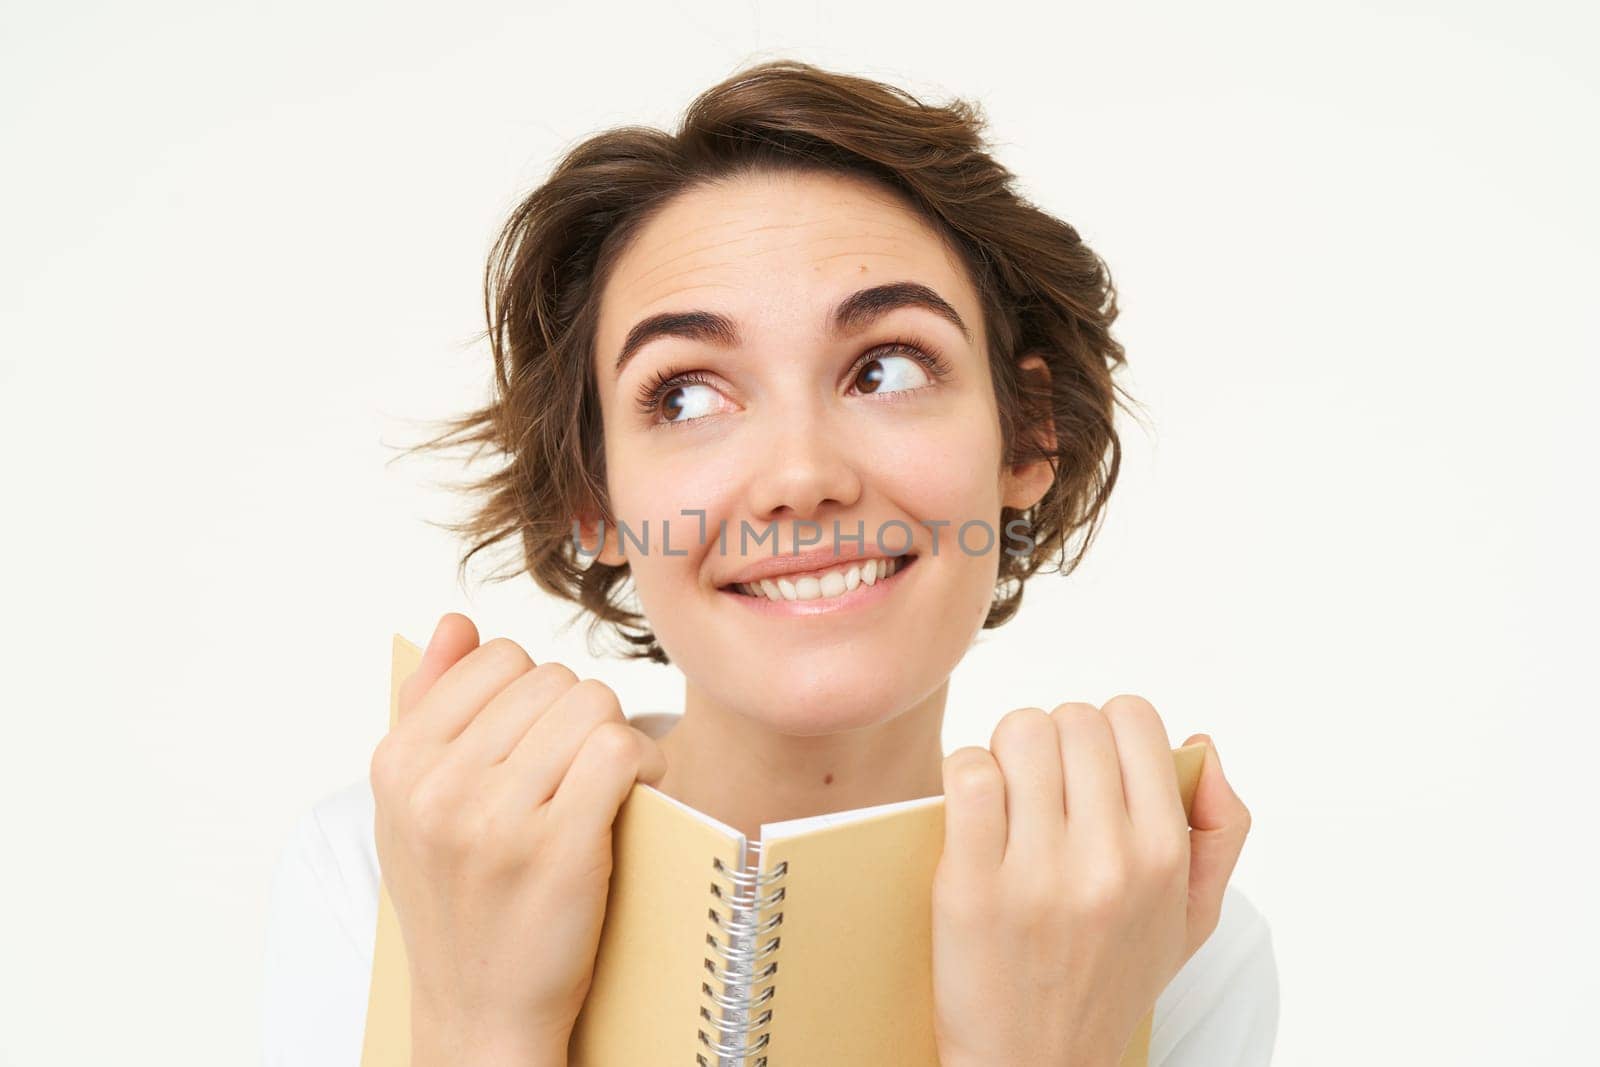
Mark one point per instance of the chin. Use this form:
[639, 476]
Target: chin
[820, 710]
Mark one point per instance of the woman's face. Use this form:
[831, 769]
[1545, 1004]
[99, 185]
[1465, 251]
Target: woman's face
[797, 423]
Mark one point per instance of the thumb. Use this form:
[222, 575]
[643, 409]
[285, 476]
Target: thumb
[453, 637]
[1219, 822]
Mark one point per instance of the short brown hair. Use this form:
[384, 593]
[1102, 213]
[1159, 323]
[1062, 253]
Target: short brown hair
[1042, 290]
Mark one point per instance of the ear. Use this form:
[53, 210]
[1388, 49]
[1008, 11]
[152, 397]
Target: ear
[610, 553]
[1022, 485]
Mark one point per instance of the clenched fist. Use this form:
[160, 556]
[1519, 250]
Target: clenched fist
[495, 793]
[1071, 888]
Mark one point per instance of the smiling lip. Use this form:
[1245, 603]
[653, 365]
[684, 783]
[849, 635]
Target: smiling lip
[800, 564]
[862, 596]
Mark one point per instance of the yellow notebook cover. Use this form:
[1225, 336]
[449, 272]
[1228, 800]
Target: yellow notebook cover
[844, 910]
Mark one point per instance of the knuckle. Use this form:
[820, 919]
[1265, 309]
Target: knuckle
[506, 653]
[595, 695]
[968, 754]
[1018, 725]
[1168, 858]
[612, 742]
[1244, 819]
[1080, 721]
[557, 675]
[1126, 707]
[440, 821]
[1073, 710]
[1101, 893]
[971, 773]
[379, 766]
[386, 769]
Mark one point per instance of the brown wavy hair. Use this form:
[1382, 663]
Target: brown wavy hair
[1041, 287]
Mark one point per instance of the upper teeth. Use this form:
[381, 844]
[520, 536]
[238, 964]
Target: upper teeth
[829, 583]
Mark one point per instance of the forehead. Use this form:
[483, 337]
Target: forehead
[774, 250]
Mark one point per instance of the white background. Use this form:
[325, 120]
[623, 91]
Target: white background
[1355, 246]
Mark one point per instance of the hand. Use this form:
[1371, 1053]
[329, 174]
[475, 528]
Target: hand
[1071, 889]
[495, 793]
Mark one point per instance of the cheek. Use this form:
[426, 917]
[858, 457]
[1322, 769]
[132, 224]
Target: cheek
[651, 489]
[664, 489]
[951, 478]
[947, 473]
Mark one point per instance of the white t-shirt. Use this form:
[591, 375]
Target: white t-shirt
[1220, 1010]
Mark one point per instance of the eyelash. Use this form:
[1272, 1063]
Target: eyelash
[650, 395]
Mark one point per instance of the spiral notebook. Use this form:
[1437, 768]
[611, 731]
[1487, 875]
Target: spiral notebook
[809, 946]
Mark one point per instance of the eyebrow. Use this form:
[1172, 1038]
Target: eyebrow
[855, 312]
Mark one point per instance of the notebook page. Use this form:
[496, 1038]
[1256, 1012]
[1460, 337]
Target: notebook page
[644, 1004]
[854, 982]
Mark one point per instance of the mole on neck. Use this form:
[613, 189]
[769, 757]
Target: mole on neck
[827, 779]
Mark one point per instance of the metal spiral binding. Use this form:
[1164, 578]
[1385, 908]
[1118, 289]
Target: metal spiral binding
[728, 1014]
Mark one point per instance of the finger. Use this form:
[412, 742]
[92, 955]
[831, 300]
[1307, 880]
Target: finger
[453, 637]
[491, 736]
[1149, 781]
[539, 761]
[974, 809]
[610, 761]
[1025, 746]
[1220, 824]
[464, 689]
[1090, 769]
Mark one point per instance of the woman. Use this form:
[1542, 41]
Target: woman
[813, 377]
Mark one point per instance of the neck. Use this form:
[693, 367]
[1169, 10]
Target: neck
[738, 770]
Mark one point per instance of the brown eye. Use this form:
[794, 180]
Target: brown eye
[872, 373]
[892, 373]
[674, 395]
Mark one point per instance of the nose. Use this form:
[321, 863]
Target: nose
[802, 466]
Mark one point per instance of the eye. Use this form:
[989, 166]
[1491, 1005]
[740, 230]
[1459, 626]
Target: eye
[681, 397]
[891, 373]
[898, 367]
[688, 400]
